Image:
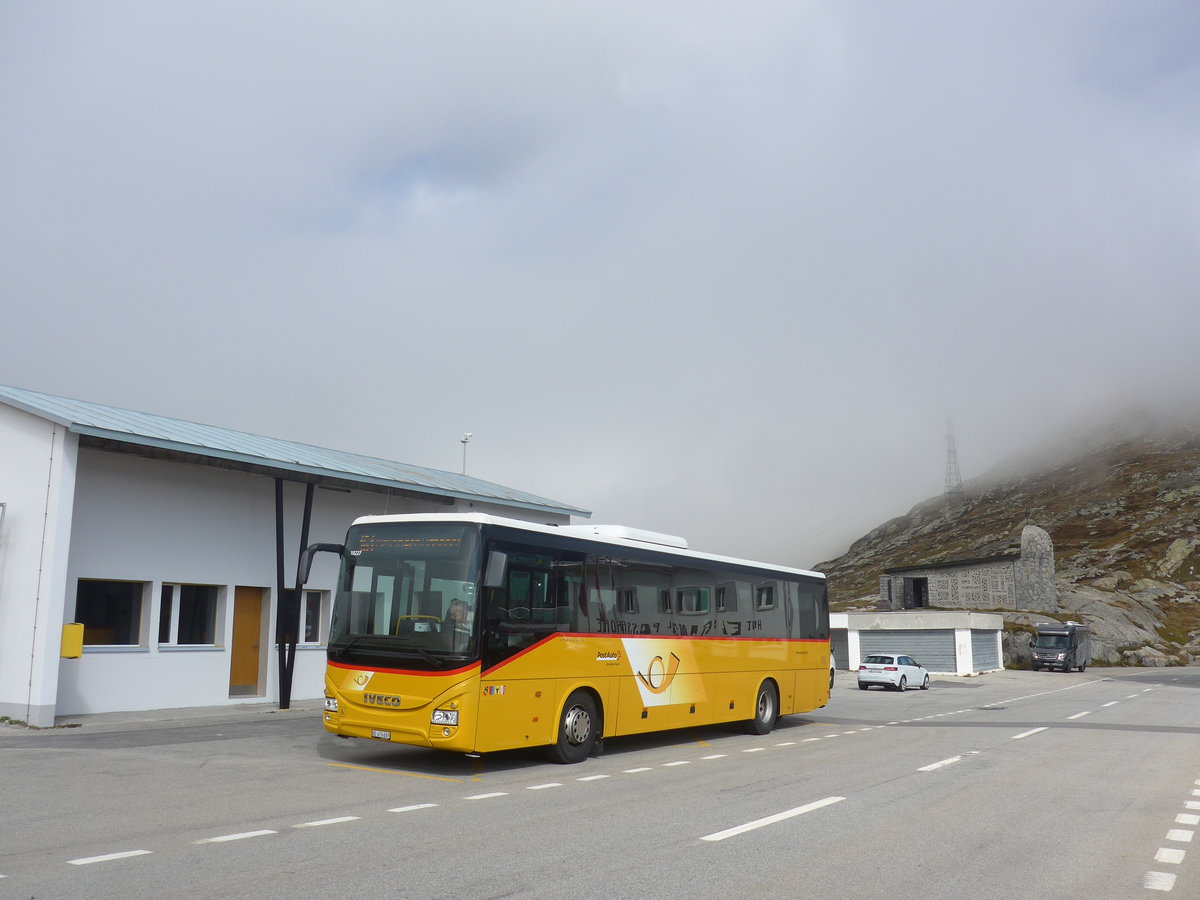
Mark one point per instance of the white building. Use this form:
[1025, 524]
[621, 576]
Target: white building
[954, 642]
[173, 543]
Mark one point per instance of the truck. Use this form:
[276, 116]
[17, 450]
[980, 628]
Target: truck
[1061, 645]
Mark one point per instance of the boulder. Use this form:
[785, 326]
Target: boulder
[1145, 656]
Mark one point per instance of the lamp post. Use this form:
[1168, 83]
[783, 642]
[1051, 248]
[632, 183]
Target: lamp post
[466, 437]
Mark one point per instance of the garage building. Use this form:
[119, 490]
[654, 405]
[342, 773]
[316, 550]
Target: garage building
[173, 544]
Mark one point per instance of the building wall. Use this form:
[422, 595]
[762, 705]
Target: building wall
[990, 585]
[1034, 571]
[37, 477]
[156, 522]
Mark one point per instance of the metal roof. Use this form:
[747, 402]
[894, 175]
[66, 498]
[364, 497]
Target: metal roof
[109, 424]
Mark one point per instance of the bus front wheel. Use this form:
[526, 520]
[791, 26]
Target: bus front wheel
[577, 728]
[766, 709]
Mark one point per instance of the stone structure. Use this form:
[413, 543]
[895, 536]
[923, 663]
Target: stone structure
[1013, 581]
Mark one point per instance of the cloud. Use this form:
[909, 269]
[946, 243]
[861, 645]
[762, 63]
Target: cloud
[709, 271]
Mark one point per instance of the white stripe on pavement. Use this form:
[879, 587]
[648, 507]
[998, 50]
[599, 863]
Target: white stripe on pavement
[770, 820]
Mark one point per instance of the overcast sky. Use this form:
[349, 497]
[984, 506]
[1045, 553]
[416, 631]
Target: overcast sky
[719, 270]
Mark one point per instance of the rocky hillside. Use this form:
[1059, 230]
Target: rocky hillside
[1122, 505]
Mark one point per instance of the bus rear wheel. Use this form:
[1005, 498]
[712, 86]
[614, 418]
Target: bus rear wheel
[766, 709]
[577, 728]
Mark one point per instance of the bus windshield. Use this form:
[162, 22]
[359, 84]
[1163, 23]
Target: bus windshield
[406, 596]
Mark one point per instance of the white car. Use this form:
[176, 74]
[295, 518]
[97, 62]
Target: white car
[892, 670]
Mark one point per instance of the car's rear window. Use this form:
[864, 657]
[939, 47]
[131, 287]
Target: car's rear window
[879, 660]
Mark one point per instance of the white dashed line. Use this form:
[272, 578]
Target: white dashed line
[1025, 734]
[235, 837]
[1182, 835]
[715, 756]
[770, 820]
[413, 808]
[317, 824]
[486, 796]
[754, 749]
[1158, 881]
[593, 778]
[787, 744]
[635, 771]
[938, 765]
[1110, 703]
[1191, 804]
[1087, 712]
[88, 860]
[542, 787]
[1169, 855]
[1187, 819]
[680, 762]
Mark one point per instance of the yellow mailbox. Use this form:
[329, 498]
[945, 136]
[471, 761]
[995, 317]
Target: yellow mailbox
[72, 640]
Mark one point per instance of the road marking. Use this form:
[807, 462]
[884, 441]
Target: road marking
[1131, 697]
[753, 749]
[413, 808]
[394, 772]
[320, 822]
[715, 756]
[680, 762]
[1158, 881]
[1182, 835]
[635, 771]
[235, 837]
[88, 860]
[1187, 819]
[486, 796]
[1110, 703]
[793, 744]
[770, 820]
[1080, 715]
[1025, 734]
[1170, 855]
[938, 765]
[809, 740]
[542, 787]
[1191, 804]
[593, 777]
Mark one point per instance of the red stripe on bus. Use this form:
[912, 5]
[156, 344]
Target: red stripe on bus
[461, 671]
[657, 637]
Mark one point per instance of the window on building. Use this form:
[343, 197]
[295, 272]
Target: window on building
[187, 614]
[764, 595]
[111, 611]
[310, 617]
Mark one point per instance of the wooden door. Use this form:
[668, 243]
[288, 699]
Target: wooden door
[247, 636]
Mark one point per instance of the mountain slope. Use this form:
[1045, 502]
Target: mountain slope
[1121, 504]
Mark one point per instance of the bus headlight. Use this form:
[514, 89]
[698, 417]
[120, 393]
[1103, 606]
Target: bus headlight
[445, 717]
[331, 704]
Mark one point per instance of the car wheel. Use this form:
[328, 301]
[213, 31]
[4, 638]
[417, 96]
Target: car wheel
[863, 687]
[766, 709]
[925, 684]
[903, 685]
[576, 729]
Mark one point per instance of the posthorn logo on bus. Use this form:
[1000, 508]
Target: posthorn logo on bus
[381, 699]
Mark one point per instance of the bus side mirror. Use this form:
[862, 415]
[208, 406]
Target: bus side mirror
[312, 550]
[493, 575]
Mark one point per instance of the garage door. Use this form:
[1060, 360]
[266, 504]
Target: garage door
[839, 646]
[984, 650]
[934, 649]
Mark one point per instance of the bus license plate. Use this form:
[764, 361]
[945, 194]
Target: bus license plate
[382, 735]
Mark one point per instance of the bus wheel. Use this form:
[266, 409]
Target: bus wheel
[576, 729]
[766, 710]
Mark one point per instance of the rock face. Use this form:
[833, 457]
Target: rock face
[1119, 527]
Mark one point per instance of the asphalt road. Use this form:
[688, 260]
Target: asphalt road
[1015, 784]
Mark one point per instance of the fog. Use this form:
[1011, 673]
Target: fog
[717, 271]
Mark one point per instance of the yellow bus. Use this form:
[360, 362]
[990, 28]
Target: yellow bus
[475, 633]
